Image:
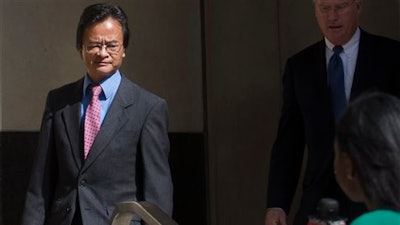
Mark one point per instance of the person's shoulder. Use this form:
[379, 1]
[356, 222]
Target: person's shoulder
[378, 40]
[310, 52]
[380, 216]
[67, 94]
[68, 88]
[138, 91]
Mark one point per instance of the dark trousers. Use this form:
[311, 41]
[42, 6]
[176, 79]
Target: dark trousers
[77, 217]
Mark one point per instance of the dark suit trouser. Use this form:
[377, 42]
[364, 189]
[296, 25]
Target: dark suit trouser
[77, 220]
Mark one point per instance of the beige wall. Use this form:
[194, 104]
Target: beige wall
[38, 44]
[382, 17]
[38, 49]
[165, 56]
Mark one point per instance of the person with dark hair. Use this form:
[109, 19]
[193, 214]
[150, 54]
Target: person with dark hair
[318, 83]
[103, 139]
[367, 156]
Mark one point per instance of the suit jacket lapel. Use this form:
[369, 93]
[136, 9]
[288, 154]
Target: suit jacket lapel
[114, 120]
[362, 78]
[319, 76]
[71, 119]
[322, 75]
[322, 94]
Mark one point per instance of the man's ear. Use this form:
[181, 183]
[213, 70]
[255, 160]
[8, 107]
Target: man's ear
[359, 5]
[80, 52]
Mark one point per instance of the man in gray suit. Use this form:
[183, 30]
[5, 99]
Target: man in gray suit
[128, 159]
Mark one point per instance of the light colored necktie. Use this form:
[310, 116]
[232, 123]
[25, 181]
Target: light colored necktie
[92, 119]
[336, 82]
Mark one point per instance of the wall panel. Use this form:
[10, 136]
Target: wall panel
[242, 56]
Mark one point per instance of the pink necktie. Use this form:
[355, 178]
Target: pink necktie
[92, 119]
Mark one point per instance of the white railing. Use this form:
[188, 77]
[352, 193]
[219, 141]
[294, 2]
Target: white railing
[149, 213]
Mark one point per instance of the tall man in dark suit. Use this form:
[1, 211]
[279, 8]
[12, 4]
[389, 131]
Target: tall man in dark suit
[128, 160]
[307, 119]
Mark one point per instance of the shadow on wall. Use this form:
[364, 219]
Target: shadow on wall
[187, 167]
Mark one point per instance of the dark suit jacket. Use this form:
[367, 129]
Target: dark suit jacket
[128, 160]
[307, 120]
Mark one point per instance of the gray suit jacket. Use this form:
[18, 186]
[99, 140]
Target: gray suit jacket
[128, 160]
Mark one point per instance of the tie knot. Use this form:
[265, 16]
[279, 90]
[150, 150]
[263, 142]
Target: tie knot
[96, 89]
[337, 49]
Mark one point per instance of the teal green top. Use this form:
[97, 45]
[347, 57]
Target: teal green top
[378, 217]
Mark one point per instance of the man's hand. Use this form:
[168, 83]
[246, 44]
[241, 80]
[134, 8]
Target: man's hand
[275, 216]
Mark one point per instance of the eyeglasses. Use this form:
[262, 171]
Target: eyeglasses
[111, 48]
[341, 8]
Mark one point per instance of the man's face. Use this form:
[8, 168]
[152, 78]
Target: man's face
[103, 50]
[338, 19]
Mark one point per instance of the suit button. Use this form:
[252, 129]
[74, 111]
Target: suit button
[82, 183]
[68, 209]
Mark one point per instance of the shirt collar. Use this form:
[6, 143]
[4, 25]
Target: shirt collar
[350, 44]
[108, 85]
